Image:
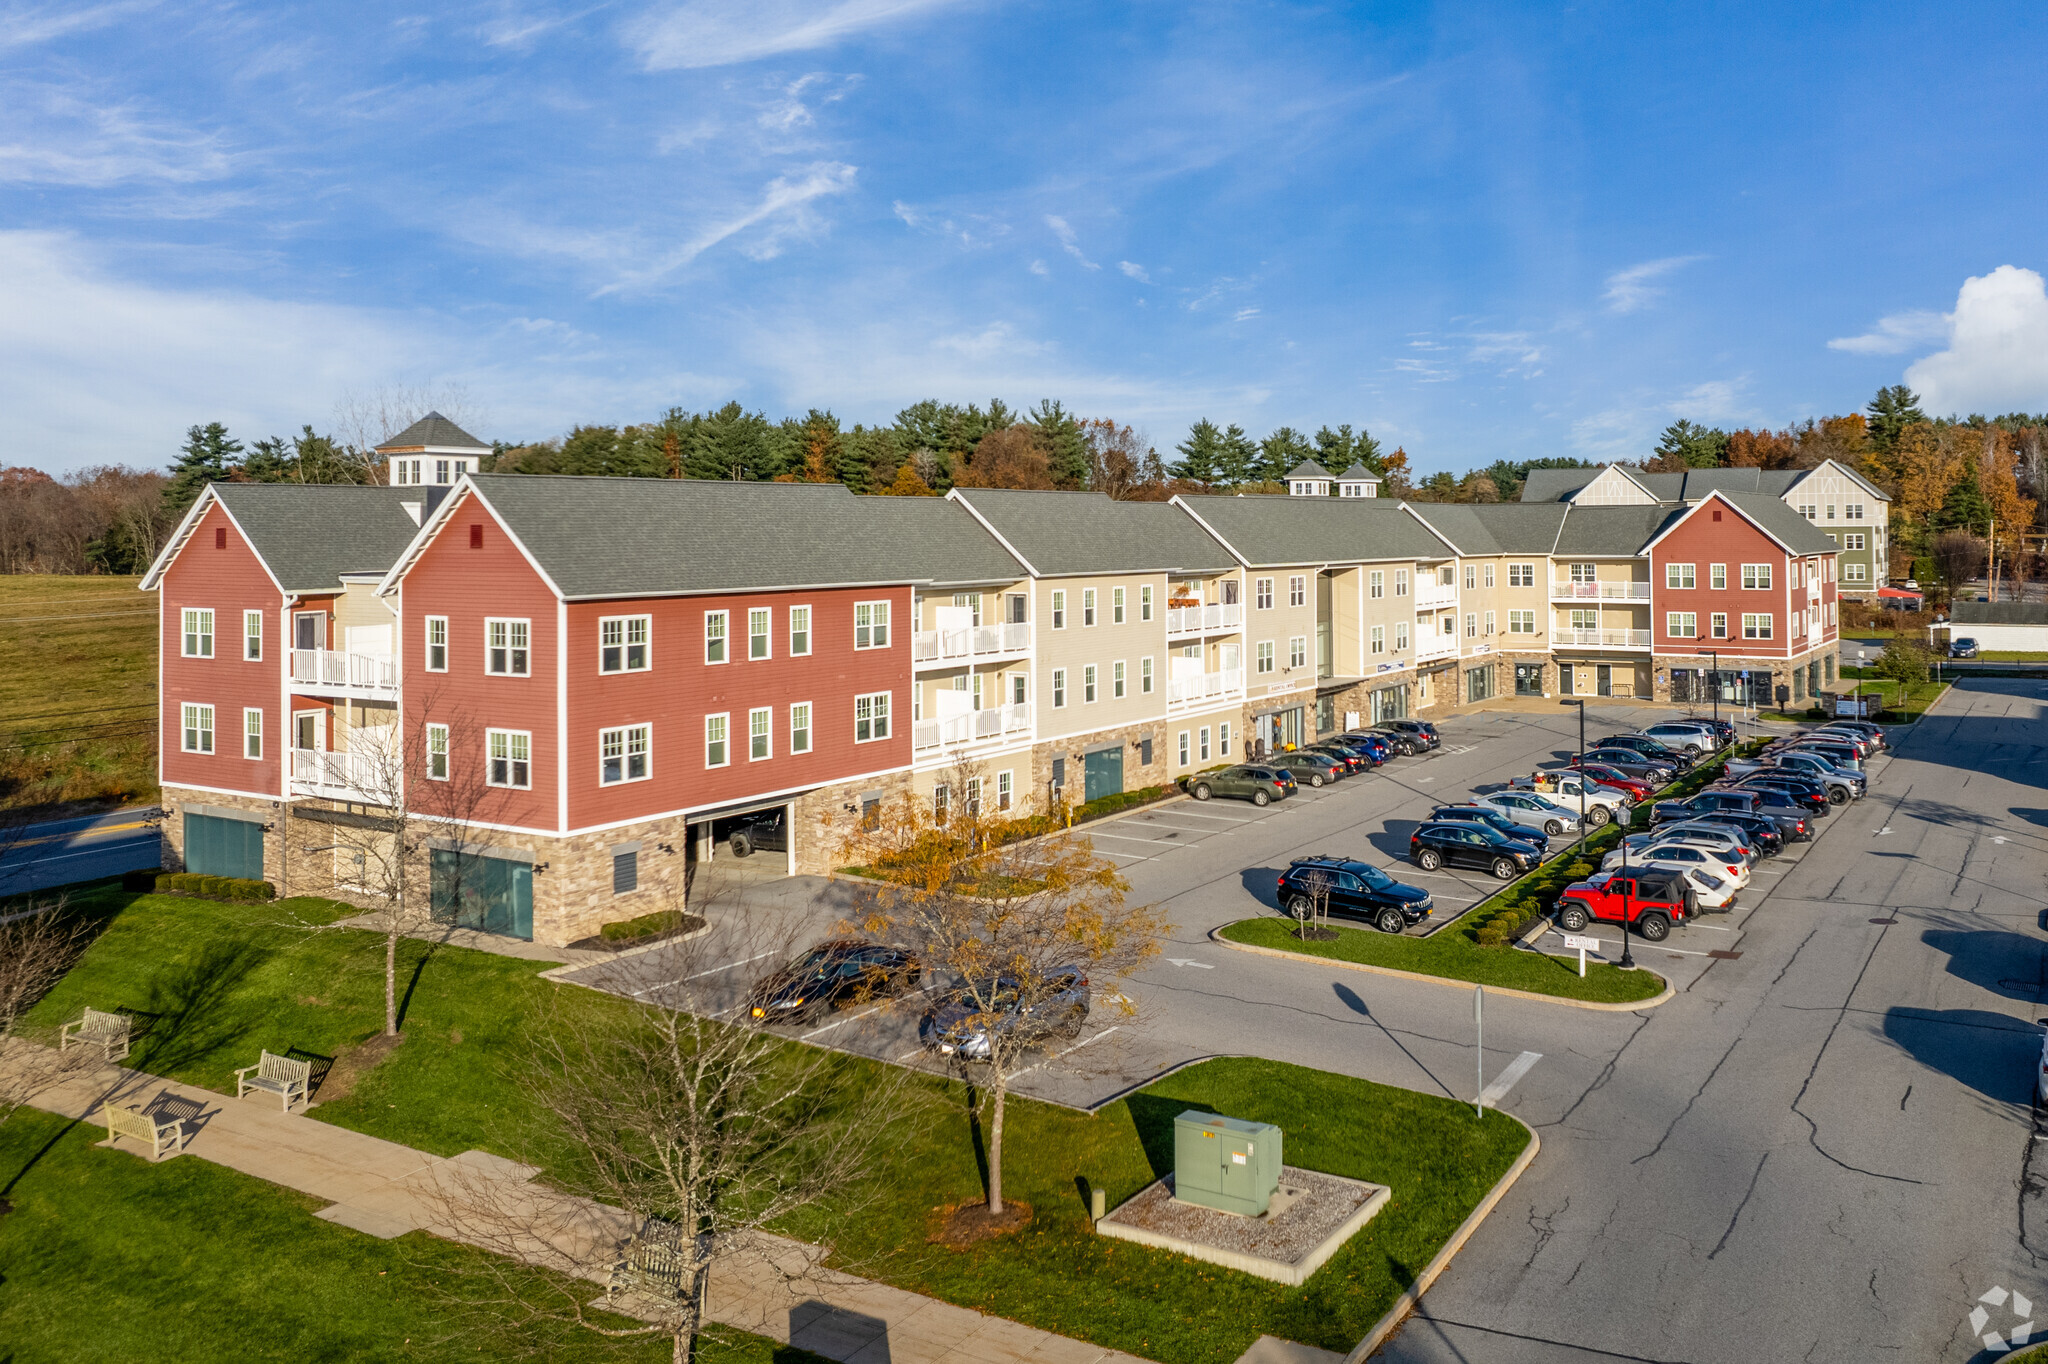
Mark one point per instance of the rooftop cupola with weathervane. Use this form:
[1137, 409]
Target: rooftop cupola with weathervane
[433, 451]
[1308, 479]
[1358, 481]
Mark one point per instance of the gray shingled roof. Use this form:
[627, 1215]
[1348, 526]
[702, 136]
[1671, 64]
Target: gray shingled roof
[1271, 532]
[1781, 521]
[1554, 485]
[1358, 473]
[1999, 613]
[1612, 531]
[624, 537]
[310, 534]
[1069, 534]
[1308, 468]
[433, 429]
[1767, 482]
[1496, 527]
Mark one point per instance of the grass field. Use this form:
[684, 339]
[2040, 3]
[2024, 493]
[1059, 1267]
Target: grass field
[222, 981]
[1903, 704]
[77, 691]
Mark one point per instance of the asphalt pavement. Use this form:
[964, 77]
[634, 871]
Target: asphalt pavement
[38, 856]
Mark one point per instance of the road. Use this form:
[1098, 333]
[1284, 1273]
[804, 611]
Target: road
[38, 856]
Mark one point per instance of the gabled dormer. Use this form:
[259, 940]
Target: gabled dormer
[1358, 481]
[433, 452]
[1308, 479]
[1614, 486]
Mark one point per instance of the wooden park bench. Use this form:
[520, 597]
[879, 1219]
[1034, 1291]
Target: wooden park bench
[133, 1122]
[279, 1075]
[104, 1030]
[655, 1264]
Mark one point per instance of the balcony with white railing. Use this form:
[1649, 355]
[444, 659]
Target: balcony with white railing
[1189, 688]
[971, 727]
[1566, 637]
[1431, 595]
[341, 776]
[1213, 618]
[1429, 648]
[1570, 591]
[332, 670]
[969, 643]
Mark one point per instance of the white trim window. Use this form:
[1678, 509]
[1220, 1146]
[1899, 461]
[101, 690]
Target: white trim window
[1584, 573]
[715, 623]
[1489, 575]
[1808, 510]
[1852, 511]
[1297, 589]
[871, 625]
[506, 651]
[716, 754]
[624, 754]
[1682, 624]
[1756, 577]
[1471, 625]
[1006, 790]
[1297, 651]
[1145, 676]
[871, 717]
[252, 732]
[1521, 575]
[1756, 625]
[1379, 639]
[622, 644]
[1059, 688]
[1471, 576]
[1680, 576]
[1262, 654]
[1116, 680]
[799, 631]
[1717, 577]
[1853, 573]
[760, 733]
[1521, 622]
[800, 727]
[1145, 601]
[510, 754]
[1184, 750]
[198, 632]
[252, 636]
[1376, 584]
[1262, 593]
[1223, 741]
[1853, 539]
[1087, 607]
[437, 752]
[198, 728]
[1116, 606]
[1717, 624]
[760, 621]
[1059, 609]
[1202, 742]
[1400, 582]
[1489, 622]
[437, 644]
[1087, 684]
[1400, 635]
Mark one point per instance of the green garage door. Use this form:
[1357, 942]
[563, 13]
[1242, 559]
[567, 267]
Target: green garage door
[223, 847]
[490, 894]
[1105, 774]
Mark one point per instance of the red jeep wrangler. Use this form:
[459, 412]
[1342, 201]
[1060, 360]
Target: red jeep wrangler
[1650, 900]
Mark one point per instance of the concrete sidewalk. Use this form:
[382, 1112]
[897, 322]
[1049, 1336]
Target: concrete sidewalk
[384, 1189]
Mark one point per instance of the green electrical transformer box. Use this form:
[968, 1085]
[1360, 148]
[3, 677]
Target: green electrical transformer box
[1224, 1163]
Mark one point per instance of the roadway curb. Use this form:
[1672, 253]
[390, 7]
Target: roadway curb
[1650, 1003]
[1409, 1300]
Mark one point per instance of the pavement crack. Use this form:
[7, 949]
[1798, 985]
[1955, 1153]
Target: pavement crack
[1673, 1125]
[1756, 1174]
[1545, 1227]
[1841, 1012]
[1606, 1072]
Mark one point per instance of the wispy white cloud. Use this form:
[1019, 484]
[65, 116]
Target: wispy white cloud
[63, 138]
[1039, 267]
[1894, 333]
[1997, 355]
[1637, 286]
[515, 27]
[31, 25]
[1134, 270]
[1068, 243]
[705, 33]
[1244, 314]
[1628, 429]
[784, 206]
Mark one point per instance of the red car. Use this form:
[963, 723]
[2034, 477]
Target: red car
[1638, 790]
[1649, 901]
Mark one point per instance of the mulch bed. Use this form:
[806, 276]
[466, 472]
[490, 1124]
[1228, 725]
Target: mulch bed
[353, 1064]
[597, 943]
[962, 1226]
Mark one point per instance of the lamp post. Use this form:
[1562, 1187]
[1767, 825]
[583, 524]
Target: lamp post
[1628, 960]
[1581, 704]
[1714, 686]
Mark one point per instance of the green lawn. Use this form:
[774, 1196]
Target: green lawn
[109, 1257]
[1452, 953]
[225, 980]
[77, 690]
[1903, 704]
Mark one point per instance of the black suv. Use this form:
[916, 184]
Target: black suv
[1420, 732]
[835, 972]
[1354, 758]
[1464, 844]
[1356, 890]
[1492, 819]
[1677, 758]
[1811, 794]
[767, 831]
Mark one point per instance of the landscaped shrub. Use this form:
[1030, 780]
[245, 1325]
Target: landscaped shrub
[215, 887]
[1490, 936]
[1579, 871]
[1121, 800]
[655, 925]
[140, 880]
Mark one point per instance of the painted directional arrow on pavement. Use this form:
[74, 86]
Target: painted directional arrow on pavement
[1190, 961]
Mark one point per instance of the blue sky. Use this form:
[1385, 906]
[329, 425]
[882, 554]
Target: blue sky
[1478, 230]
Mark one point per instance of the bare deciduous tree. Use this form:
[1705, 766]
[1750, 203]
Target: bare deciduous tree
[38, 944]
[365, 419]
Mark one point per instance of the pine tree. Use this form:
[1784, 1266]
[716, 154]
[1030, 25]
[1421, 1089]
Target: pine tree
[1699, 447]
[1201, 454]
[1338, 450]
[1965, 507]
[1239, 462]
[729, 444]
[1282, 452]
[267, 461]
[1067, 451]
[1891, 412]
[206, 457]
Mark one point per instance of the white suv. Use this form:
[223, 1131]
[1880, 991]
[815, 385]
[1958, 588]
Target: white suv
[1684, 734]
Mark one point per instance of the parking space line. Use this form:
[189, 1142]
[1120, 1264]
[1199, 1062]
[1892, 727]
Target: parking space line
[701, 974]
[1182, 829]
[1199, 814]
[1491, 1096]
[1076, 1047]
[851, 1018]
[1157, 843]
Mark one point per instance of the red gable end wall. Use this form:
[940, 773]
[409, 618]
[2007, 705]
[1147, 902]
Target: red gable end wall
[227, 581]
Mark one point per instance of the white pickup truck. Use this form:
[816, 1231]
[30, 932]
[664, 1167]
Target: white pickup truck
[1595, 803]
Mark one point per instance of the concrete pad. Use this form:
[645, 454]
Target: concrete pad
[496, 1165]
[1273, 1350]
[376, 1224]
[1294, 1239]
[835, 1331]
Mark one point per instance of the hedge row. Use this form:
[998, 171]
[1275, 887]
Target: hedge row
[1121, 800]
[215, 887]
[653, 925]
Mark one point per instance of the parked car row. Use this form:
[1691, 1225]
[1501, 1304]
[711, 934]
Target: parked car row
[1352, 753]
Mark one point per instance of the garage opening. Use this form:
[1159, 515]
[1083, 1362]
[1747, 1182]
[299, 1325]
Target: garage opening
[223, 847]
[743, 846]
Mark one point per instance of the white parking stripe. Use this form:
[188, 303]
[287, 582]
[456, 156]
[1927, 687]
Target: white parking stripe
[850, 1018]
[1491, 1096]
[1157, 843]
[1199, 814]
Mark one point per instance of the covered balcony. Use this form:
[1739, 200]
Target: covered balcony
[1203, 619]
[362, 777]
[1432, 646]
[1598, 591]
[1190, 687]
[1432, 595]
[1566, 637]
[970, 727]
[343, 673]
[967, 643]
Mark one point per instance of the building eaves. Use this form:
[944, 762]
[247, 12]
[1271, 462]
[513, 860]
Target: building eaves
[1063, 535]
[1279, 532]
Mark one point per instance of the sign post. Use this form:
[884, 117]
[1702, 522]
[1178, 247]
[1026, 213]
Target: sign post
[1479, 1048]
[1584, 945]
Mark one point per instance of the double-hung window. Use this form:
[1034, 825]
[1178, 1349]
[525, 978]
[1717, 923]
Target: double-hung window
[1006, 790]
[437, 752]
[1756, 577]
[1116, 606]
[252, 733]
[1756, 626]
[1852, 511]
[1521, 575]
[1297, 651]
[622, 644]
[198, 633]
[760, 620]
[198, 729]
[871, 625]
[1489, 622]
[1087, 606]
[1145, 601]
[505, 648]
[1584, 573]
[1297, 590]
[1088, 684]
[622, 754]
[1262, 593]
[1059, 688]
[437, 644]
[1376, 584]
[1679, 576]
[1183, 748]
[716, 754]
[1718, 624]
[1717, 577]
[1116, 680]
[800, 727]
[1059, 610]
[1145, 676]
[1852, 540]
[1681, 624]
[760, 733]
[1400, 634]
[1379, 639]
[871, 717]
[1203, 740]
[1521, 622]
[511, 758]
[1264, 656]
[1471, 625]
[799, 631]
[1223, 740]
[1489, 575]
[1471, 576]
[1585, 620]
[1400, 582]
[714, 636]
[252, 636]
